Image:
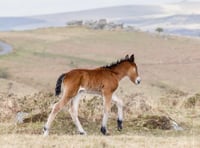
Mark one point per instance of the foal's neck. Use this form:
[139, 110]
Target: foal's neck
[121, 70]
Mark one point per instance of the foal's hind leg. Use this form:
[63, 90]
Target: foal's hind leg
[119, 104]
[74, 113]
[56, 108]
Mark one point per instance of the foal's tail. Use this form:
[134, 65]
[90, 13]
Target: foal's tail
[58, 84]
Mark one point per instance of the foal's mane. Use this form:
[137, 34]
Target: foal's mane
[126, 59]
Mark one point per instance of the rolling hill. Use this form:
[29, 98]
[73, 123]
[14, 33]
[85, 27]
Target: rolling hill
[168, 66]
[178, 18]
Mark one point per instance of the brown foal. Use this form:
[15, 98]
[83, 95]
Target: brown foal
[102, 81]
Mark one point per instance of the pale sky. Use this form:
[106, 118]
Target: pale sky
[35, 7]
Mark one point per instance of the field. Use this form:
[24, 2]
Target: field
[170, 92]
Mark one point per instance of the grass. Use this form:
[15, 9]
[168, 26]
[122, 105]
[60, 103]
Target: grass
[41, 55]
[4, 73]
[154, 121]
[193, 101]
[171, 91]
[141, 131]
[97, 141]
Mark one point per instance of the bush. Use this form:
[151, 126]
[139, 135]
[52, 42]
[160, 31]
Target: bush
[159, 29]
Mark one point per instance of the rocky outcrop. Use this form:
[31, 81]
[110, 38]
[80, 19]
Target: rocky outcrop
[75, 23]
[101, 24]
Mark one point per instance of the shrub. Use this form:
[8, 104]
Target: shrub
[159, 29]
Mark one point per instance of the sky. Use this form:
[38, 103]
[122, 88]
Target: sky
[36, 7]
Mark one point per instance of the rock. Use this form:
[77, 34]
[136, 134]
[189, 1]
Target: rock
[129, 28]
[175, 126]
[75, 23]
[102, 24]
[90, 24]
[20, 117]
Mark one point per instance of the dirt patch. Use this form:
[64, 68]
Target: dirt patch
[153, 122]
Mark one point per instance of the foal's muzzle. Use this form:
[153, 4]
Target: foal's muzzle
[137, 80]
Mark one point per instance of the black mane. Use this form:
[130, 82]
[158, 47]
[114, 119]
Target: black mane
[126, 59]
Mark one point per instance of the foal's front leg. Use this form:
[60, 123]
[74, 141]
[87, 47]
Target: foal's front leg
[119, 104]
[107, 105]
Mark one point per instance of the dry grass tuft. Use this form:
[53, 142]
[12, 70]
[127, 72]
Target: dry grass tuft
[154, 122]
[140, 113]
[193, 101]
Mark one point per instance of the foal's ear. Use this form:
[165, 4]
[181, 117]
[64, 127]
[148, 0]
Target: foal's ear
[132, 58]
[127, 57]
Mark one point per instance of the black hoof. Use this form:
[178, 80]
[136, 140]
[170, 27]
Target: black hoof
[82, 133]
[103, 130]
[119, 125]
[44, 129]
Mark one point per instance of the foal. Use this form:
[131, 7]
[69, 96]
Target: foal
[102, 81]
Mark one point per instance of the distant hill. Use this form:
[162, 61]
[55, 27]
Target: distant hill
[178, 18]
[60, 19]
[10, 23]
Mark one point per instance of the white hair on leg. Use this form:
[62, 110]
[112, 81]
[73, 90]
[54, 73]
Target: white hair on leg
[56, 108]
[46, 132]
[49, 120]
[104, 122]
[105, 115]
[119, 104]
[107, 105]
[74, 113]
[105, 119]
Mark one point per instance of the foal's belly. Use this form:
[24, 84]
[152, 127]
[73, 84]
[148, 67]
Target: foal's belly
[94, 91]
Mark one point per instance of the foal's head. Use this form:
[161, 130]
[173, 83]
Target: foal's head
[126, 67]
[132, 72]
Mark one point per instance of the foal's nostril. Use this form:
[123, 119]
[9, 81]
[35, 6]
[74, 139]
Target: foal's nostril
[138, 80]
